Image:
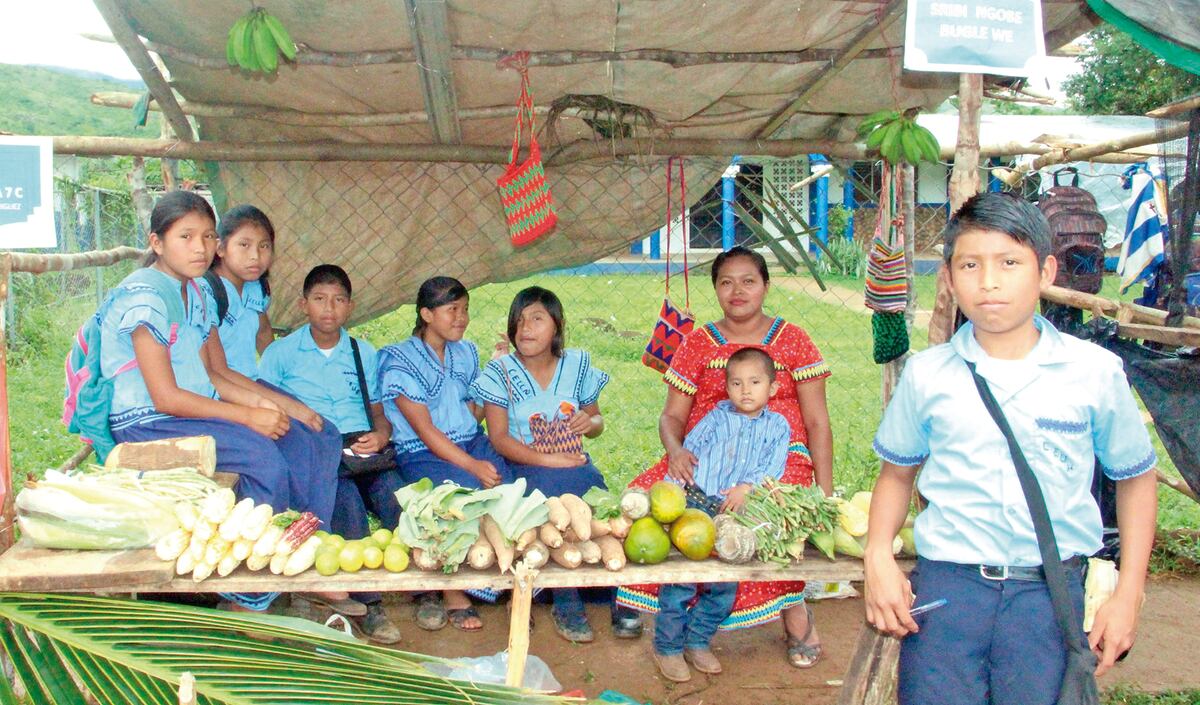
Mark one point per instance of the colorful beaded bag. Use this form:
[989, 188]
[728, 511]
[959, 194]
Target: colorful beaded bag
[673, 323]
[887, 283]
[549, 435]
[524, 193]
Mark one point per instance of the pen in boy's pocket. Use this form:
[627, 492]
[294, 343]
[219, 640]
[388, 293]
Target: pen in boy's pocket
[927, 607]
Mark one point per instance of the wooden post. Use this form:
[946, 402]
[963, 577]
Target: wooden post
[518, 624]
[964, 183]
[6, 470]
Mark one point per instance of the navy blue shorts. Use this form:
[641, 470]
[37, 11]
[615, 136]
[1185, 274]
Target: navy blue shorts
[994, 641]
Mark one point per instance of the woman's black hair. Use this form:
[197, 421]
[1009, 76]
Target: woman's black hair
[739, 251]
[537, 295]
[434, 292]
[170, 208]
[233, 221]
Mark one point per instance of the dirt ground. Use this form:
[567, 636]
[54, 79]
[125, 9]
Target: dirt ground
[756, 672]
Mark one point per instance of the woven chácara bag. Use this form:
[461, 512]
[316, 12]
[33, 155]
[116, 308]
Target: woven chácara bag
[887, 287]
[553, 436]
[673, 323]
[524, 193]
[889, 332]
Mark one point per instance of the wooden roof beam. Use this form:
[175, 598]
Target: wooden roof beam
[428, 22]
[890, 11]
[129, 41]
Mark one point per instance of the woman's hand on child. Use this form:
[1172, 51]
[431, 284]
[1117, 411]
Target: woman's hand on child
[501, 348]
[486, 472]
[1113, 630]
[888, 596]
[271, 423]
[564, 460]
[581, 422]
[735, 498]
[680, 465]
[370, 442]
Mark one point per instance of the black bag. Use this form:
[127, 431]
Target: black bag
[353, 464]
[1079, 680]
[1077, 234]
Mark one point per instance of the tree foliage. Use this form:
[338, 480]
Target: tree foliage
[1119, 77]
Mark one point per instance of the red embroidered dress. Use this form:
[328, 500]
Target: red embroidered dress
[698, 370]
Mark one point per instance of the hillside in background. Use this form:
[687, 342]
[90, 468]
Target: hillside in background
[53, 101]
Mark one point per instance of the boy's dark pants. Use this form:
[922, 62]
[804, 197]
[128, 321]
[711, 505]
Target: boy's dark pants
[995, 641]
[355, 495]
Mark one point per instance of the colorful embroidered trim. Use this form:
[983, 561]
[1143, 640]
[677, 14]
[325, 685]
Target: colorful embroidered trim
[1047, 424]
[812, 371]
[1134, 470]
[680, 382]
[799, 448]
[740, 619]
[896, 458]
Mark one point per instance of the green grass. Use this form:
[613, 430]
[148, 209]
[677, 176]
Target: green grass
[611, 316]
[1126, 695]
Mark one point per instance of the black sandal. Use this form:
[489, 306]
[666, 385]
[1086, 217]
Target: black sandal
[800, 653]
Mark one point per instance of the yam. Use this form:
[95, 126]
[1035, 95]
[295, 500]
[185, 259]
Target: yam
[198, 452]
[589, 551]
[612, 553]
[567, 555]
[581, 515]
[527, 537]
[536, 555]
[570, 536]
[619, 526]
[558, 513]
[504, 551]
[481, 556]
[600, 528]
[550, 535]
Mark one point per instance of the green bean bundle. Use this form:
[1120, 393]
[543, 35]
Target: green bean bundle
[782, 516]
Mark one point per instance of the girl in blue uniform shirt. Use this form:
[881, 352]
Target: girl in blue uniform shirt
[435, 424]
[241, 266]
[162, 387]
[542, 379]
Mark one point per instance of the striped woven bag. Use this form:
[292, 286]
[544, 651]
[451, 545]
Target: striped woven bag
[524, 193]
[887, 287]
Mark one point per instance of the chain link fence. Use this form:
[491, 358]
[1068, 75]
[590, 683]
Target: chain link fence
[611, 291]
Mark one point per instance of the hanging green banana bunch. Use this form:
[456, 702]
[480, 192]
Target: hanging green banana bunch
[899, 138]
[256, 40]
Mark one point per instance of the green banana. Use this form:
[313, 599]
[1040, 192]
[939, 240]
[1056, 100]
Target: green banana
[279, 33]
[876, 119]
[875, 137]
[932, 151]
[235, 47]
[249, 55]
[908, 143]
[264, 45]
[888, 146]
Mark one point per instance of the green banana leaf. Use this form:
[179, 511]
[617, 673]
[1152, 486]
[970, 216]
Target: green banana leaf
[781, 253]
[65, 648]
[789, 233]
[777, 196]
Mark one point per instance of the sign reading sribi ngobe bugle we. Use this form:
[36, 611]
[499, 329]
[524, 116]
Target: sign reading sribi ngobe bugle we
[27, 193]
[974, 36]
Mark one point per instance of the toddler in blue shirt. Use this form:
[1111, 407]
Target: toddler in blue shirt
[738, 444]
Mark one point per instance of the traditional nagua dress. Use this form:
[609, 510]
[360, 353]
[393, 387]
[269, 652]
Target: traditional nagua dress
[698, 370]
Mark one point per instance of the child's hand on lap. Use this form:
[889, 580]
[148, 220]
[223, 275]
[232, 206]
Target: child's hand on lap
[564, 460]
[370, 443]
[303, 414]
[735, 498]
[271, 423]
[486, 472]
[580, 423]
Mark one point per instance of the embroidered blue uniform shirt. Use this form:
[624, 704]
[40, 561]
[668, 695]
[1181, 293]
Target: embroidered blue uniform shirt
[411, 369]
[733, 448]
[1068, 403]
[239, 328]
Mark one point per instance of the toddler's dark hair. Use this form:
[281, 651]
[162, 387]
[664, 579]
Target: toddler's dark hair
[327, 274]
[434, 292]
[1002, 212]
[173, 206]
[234, 220]
[755, 354]
[738, 251]
[537, 295]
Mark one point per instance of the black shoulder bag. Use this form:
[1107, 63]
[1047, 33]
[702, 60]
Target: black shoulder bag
[1079, 680]
[354, 465]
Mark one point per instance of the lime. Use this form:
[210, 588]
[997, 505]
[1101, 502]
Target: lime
[370, 542]
[350, 558]
[395, 558]
[327, 563]
[382, 537]
[372, 557]
[397, 541]
[333, 541]
[321, 534]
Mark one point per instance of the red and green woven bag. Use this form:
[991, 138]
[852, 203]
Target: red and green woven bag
[524, 193]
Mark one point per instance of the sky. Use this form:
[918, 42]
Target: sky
[48, 32]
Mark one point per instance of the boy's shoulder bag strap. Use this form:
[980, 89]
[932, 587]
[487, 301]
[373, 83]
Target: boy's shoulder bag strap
[362, 381]
[1079, 682]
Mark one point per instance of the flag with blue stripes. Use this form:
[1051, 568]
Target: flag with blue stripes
[1145, 226]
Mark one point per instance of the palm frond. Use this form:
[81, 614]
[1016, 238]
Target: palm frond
[124, 652]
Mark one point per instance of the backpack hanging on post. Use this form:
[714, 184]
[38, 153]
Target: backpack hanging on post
[1077, 234]
[524, 193]
[673, 323]
[887, 283]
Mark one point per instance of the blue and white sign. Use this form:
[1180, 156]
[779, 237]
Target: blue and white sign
[1001, 37]
[27, 193]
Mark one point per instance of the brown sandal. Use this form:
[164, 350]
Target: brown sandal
[800, 653]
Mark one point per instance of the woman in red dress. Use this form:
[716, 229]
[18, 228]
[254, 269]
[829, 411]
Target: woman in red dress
[696, 382]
